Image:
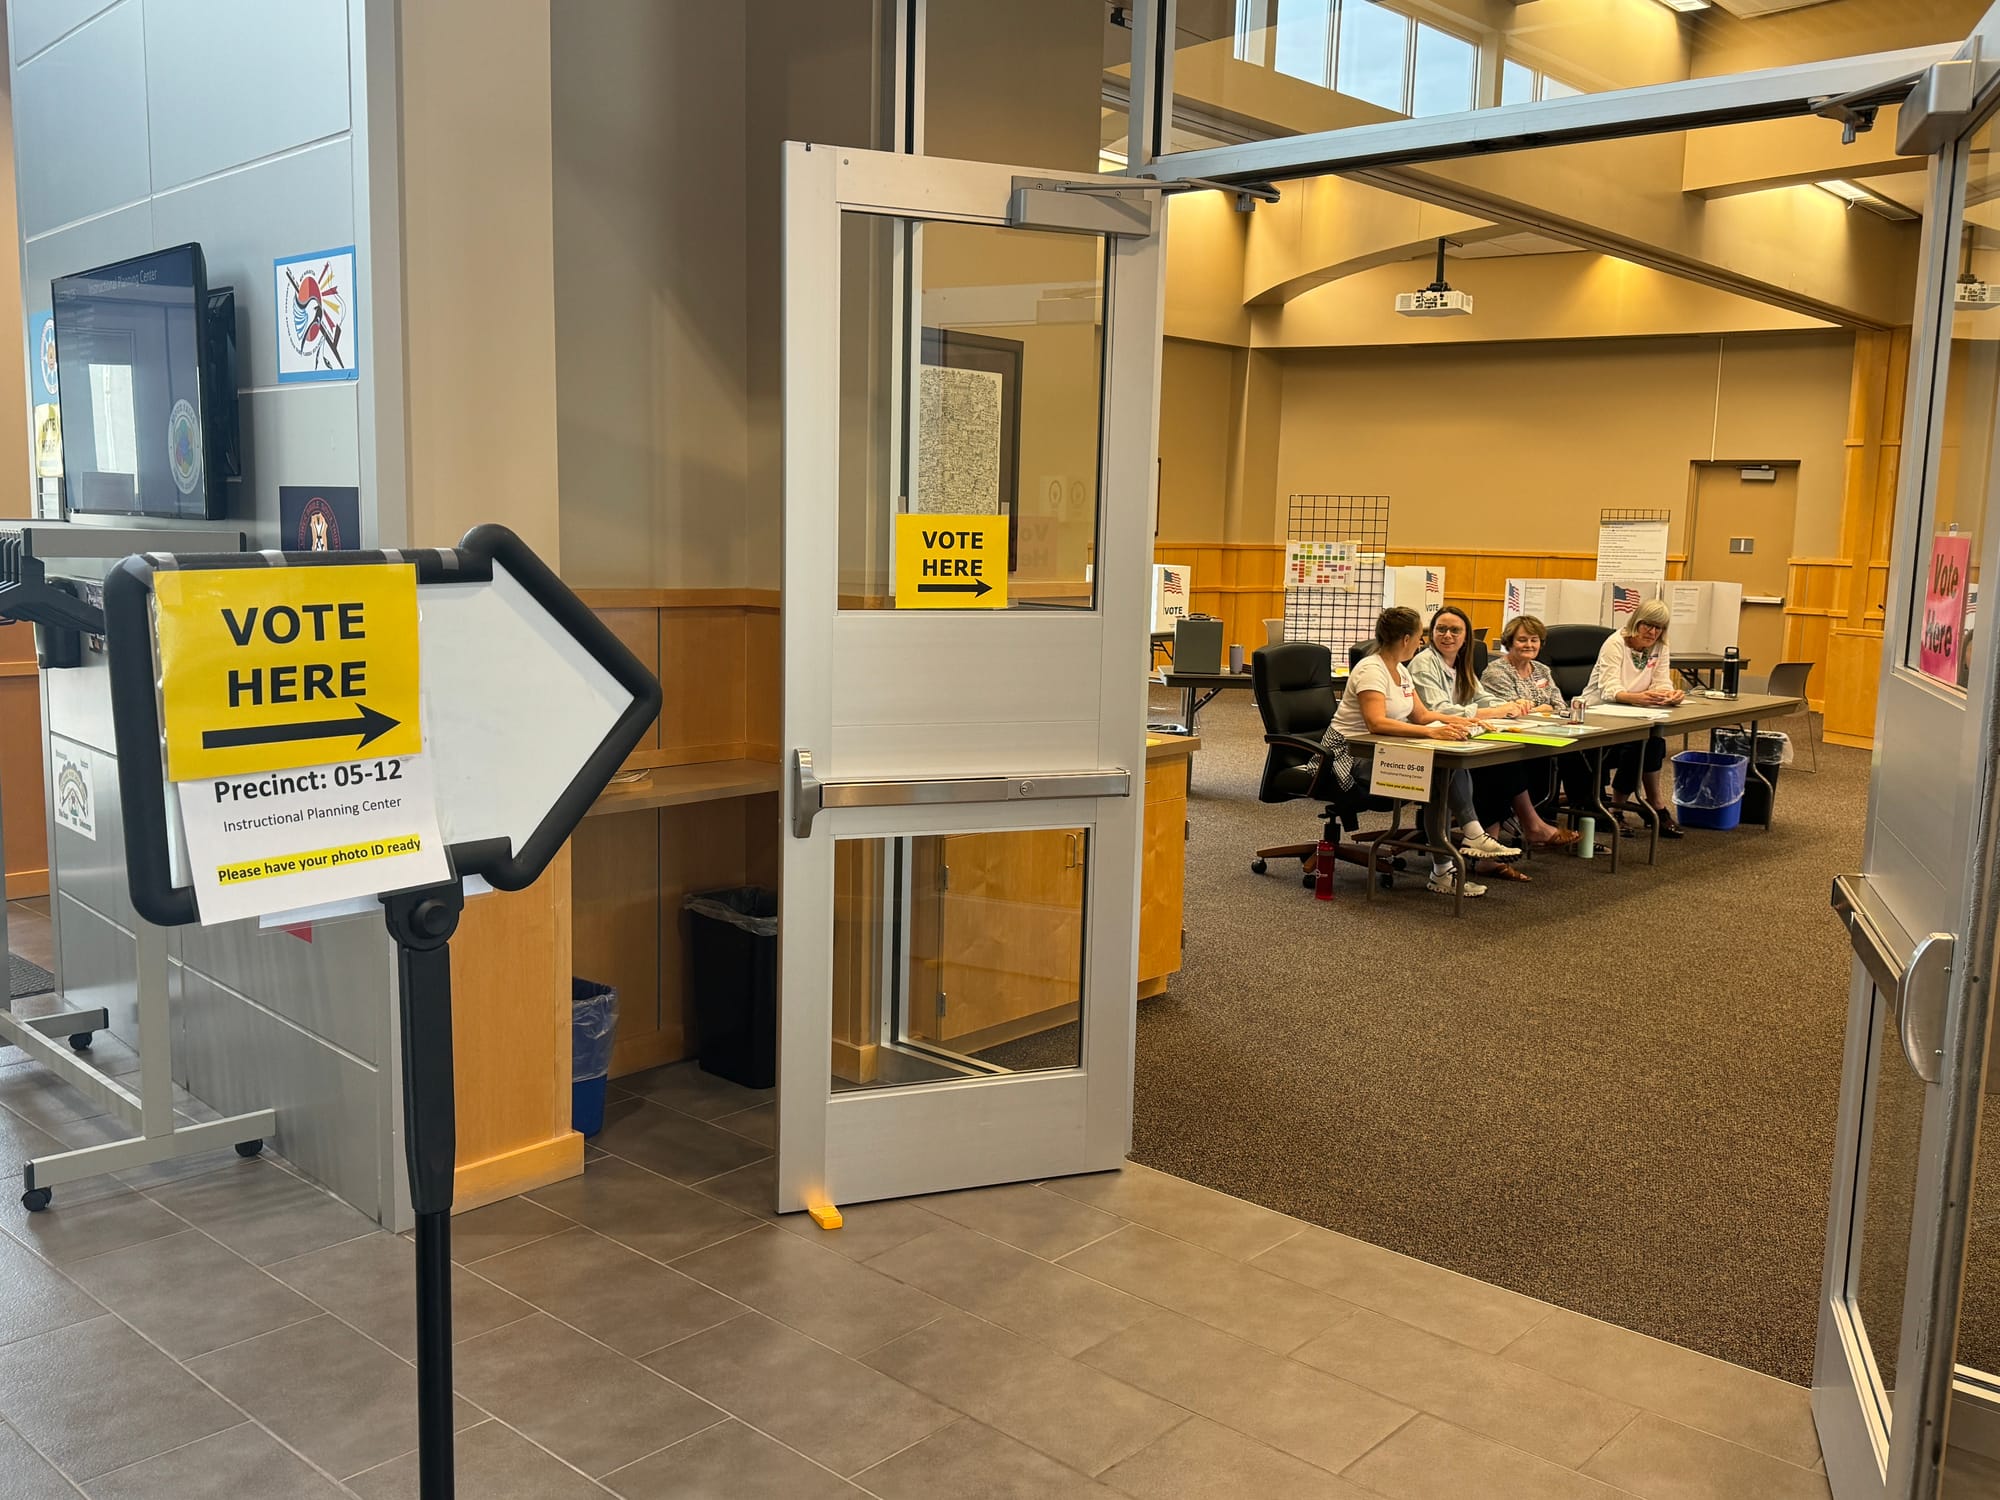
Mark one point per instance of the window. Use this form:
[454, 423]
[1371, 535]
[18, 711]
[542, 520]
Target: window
[1445, 78]
[1555, 88]
[1517, 83]
[1305, 36]
[1374, 54]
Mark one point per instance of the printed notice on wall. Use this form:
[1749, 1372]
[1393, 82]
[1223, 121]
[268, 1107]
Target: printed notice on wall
[1631, 549]
[1401, 771]
[1320, 565]
[1944, 607]
[275, 841]
[75, 793]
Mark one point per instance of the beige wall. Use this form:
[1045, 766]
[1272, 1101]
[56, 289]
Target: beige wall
[477, 193]
[1534, 439]
[1723, 44]
[1015, 82]
[651, 294]
[1196, 407]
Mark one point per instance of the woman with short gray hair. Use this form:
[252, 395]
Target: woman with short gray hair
[1634, 668]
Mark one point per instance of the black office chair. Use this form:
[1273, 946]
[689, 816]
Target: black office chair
[1570, 652]
[1293, 686]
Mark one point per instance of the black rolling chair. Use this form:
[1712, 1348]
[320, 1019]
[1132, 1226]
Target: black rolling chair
[1570, 652]
[1293, 686]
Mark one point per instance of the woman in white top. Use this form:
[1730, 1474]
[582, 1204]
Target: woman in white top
[1634, 668]
[1445, 681]
[1380, 698]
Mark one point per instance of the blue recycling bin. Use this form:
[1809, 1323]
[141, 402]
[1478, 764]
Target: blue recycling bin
[593, 1026]
[1708, 788]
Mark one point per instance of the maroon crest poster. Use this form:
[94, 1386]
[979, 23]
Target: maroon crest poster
[319, 519]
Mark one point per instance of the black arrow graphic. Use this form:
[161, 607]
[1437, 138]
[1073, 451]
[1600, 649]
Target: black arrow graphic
[367, 723]
[982, 587]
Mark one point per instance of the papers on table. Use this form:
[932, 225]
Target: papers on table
[1622, 711]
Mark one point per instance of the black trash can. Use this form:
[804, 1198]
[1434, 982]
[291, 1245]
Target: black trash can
[733, 974]
[1770, 757]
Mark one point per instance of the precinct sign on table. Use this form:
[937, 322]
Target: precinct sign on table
[291, 706]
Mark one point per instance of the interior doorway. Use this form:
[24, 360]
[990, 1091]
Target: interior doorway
[1741, 519]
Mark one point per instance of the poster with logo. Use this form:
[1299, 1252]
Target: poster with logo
[1945, 588]
[45, 392]
[319, 518]
[74, 790]
[315, 314]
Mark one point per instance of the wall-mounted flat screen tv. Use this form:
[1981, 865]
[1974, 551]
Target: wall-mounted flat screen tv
[146, 365]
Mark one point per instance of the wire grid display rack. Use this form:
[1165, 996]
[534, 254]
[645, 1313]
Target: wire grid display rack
[1336, 618]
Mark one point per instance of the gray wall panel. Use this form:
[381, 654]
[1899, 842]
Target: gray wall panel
[96, 242]
[295, 435]
[37, 23]
[100, 966]
[331, 987]
[80, 123]
[248, 219]
[239, 1058]
[93, 870]
[232, 81]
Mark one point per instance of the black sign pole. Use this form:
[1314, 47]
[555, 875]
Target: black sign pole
[421, 922]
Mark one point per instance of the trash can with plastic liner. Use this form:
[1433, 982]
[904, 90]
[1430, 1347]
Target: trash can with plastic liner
[1774, 749]
[733, 975]
[1708, 789]
[593, 1026]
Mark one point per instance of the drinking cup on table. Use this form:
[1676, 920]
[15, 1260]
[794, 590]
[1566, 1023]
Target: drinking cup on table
[1235, 658]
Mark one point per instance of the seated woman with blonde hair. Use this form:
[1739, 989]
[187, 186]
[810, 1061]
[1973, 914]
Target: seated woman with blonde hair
[1634, 668]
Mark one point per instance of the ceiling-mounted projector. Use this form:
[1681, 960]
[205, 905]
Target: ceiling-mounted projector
[1437, 300]
[1974, 295]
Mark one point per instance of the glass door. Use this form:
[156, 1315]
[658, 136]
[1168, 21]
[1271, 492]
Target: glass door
[1904, 1402]
[971, 380]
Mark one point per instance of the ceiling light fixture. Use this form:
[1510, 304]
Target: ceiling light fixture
[1686, 7]
[1854, 195]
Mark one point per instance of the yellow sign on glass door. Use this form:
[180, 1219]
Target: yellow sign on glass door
[951, 562]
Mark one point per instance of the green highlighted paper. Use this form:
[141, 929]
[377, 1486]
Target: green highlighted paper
[1526, 739]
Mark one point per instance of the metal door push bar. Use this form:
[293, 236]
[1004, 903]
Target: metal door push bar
[811, 796]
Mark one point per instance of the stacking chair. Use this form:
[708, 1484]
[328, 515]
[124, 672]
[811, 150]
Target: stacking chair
[1293, 686]
[1788, 680]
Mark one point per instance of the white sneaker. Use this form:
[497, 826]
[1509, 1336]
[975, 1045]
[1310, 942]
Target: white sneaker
[1488, 847]
[1441, 881]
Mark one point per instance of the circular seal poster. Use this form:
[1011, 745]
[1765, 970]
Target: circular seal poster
[184, 447]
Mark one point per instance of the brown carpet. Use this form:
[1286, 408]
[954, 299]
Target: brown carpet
[1617, 1094]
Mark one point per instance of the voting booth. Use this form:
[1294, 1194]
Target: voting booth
[1555, 601]
[1415, 587]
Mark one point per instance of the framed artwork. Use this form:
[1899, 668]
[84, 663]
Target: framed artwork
[969, 411]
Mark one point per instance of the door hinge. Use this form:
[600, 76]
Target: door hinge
[944, 877]
[1187, 830]
[942, 1002]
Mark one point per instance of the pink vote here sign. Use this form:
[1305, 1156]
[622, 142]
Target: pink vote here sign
[1944, 607]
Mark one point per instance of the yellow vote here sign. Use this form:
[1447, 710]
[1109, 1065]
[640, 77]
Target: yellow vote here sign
[264, 669]
[951, 562]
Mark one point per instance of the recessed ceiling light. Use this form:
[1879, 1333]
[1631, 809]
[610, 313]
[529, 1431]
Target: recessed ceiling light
[1686, 7]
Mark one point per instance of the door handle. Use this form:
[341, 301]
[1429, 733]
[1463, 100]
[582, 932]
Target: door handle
[812, 796]
[1917, 974]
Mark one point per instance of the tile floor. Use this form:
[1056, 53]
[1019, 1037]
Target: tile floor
[29, 932]
[649, 1330]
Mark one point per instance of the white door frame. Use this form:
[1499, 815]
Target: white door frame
[923, 709]
[1926, 906]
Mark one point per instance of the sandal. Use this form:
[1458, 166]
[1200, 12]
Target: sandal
[1562, 838]
[1502, 871]
[1670, 828]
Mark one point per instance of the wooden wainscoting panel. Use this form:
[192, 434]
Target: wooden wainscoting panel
[26, 857]
[1163, 882]
[615, 901]
[639, 629]
[510, 964]
[702, 683]
[858, 948]
[763, 685]
[1853, 677]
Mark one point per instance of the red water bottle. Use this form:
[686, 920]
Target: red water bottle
[1323, 858]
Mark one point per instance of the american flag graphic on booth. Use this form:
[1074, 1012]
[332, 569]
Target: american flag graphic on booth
[1623, 600]
[1171, 583]
[1513, 599]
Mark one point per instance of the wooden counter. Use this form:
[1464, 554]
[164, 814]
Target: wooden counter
[1163, 870]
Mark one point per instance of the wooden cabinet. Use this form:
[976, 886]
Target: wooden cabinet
[1163, 871]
